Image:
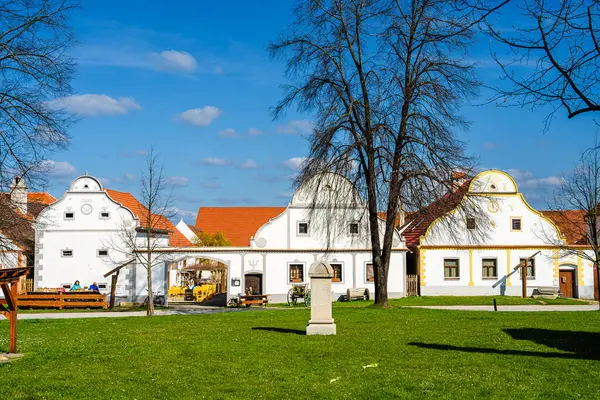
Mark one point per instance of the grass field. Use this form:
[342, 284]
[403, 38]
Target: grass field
[458, 301]
[265, 354]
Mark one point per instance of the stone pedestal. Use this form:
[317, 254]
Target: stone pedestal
[321, 321]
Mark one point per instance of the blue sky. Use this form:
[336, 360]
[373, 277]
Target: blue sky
[195, 81]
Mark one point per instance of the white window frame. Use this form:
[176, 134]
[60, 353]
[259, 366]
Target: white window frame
[62, 253]
[104, 218]
[350, 233]
[343, 269]
[298, 228]
[365, 270]
[67, 218]
[489, 277]
[289, 280]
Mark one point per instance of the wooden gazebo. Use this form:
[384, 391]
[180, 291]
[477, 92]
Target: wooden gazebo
[9, 282]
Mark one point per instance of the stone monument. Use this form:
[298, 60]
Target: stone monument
[321, 321]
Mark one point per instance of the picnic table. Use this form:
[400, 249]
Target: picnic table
[249, 299]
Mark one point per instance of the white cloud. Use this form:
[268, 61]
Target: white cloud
[177, 180]
[211, 185]
[295, 127]
[213, 161]
[218, 69]
[104, 181]
[526, 179]
[254, 132]
[286, 195]
[174, 60]
[491, 145]
[200, 116]
[229, 132]
[57, 168]
[294, 163]
[95, 104]
[178, 213]
[128, 177]
[249, 164]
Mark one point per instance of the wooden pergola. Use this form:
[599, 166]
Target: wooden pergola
[9, 282]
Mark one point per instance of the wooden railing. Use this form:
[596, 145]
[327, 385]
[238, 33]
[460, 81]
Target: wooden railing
[412, 285]
[62, 300]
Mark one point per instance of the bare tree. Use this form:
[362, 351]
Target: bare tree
[35, 67]
[141, 242]
[575, 209]
[560, 40]
[385, 80]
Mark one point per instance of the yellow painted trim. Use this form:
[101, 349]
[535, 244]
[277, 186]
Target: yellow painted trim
[556, 273]
[518, 194]
[579, 271]
[493, 171]
[422, 266]
[489, 247]
[471, 268]
[508, 269]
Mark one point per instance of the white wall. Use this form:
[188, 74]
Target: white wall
[85, 234]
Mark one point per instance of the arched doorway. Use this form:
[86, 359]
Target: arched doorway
[567, 277]
[253, 282]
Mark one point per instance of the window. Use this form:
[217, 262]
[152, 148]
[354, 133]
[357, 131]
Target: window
[471, 223]
[303, 228]
[530, 268]
[337, 272]
[354, 228]
[104, 215]
[102, 253]
[296, 273]
[451, 270]
[69, 215]
[490, 268]
[515, 224]
[370, 275]
[66, 253]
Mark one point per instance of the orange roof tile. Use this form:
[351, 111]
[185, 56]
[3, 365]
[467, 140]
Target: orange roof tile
[238, 224]
[418, 222]
[40, 197]
[126, 199]
[571, 223]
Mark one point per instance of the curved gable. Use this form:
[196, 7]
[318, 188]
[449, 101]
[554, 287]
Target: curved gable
[493, 182]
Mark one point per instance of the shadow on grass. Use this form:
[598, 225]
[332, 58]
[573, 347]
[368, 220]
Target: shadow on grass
[279, 330]
[579, 345]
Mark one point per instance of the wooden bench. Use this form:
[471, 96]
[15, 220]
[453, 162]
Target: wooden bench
[357, 294]
[257, 299]
[546, 291]
[62, 300]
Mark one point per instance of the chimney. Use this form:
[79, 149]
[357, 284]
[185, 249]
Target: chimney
[457, 179]
[18, 194]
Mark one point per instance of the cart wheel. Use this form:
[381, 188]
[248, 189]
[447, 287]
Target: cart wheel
[307, 299]
[291, 298]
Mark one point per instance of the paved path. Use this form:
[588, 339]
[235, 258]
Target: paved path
[589, 307]
[113, 314]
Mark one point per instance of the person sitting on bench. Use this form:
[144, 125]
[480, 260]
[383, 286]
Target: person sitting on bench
[94, 287]
[76, 286]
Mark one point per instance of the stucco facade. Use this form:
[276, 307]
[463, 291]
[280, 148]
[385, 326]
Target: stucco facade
[465, 254]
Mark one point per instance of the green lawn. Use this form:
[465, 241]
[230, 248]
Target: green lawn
[264, 354]
[457, 301]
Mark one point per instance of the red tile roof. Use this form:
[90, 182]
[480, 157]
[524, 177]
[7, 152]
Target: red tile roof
[417, 223]
[238, 224]
[176, 238]
[571, 223]
[40, 197]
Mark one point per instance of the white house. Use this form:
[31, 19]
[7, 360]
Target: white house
[273, 247]
[474, 237]
[83, 235]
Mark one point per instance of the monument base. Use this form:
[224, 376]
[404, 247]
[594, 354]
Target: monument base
[320, 329]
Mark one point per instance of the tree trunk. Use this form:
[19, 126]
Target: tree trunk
[597, 282]
[150, 310]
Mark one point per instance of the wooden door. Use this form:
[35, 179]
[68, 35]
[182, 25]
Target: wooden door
[254, 281]
[566, 283]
